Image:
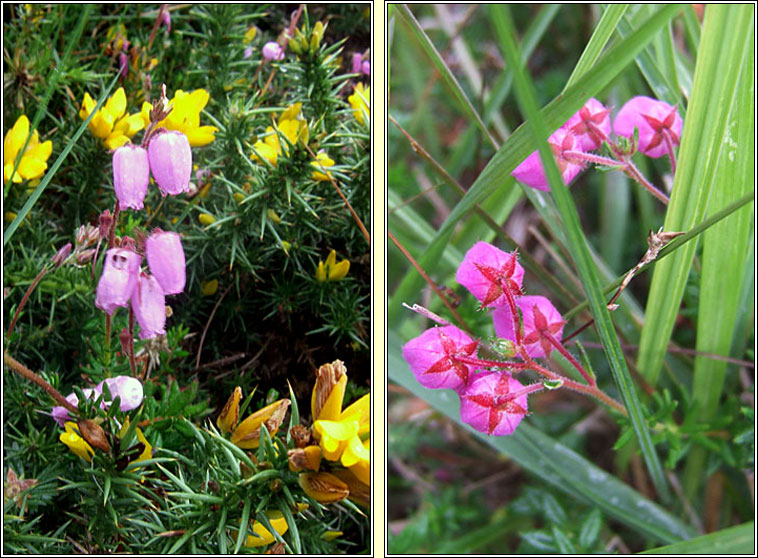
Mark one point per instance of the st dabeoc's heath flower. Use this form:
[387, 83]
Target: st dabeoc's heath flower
[486, 271]
[170, 159]
[119, 279]
[432, 357]
[165, 258]
[653, 119]
[488, 405]
[540, 319]
[592, 114]
[272, 51]
[149, 305]
[532, 173]
[127, 388]
[131, 175]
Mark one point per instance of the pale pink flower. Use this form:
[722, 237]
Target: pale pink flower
[119, 279]
[149, 305]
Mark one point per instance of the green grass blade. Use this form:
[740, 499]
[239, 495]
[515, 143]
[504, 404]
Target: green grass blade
[600, 37]
[553, 463]
[439, 64]
[577, 245]
[716, 74]
[520, 144]
[734, 540]
[721, 271]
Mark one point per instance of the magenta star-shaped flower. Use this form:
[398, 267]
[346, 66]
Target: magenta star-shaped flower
[488, 404]
[540, 317]
[487, 272]
[653, 119]
[582, 124]
[432, 357]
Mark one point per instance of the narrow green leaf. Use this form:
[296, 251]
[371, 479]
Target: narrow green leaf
[705, 133]
[577, 245]
[734, 540]
[599, 39]
[551, 462]
[590, 529]
[722, 272]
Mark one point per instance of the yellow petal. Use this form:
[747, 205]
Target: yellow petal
[76, 443]
[357, 457]
[116, 104]
[331, 259]
[321, 272]
[209, 288]
[292, 112]
[41, 151]
[333, 436]
[230, 414]
[200, 136]
[15, 139]
[329, 391]
[30, 168]
[339, 271]
[247, 434]
[250, 35]
[88, 105]
[101, 124]
[115, 140]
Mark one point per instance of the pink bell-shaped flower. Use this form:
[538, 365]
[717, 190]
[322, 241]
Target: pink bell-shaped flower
[593, 115]
[119, 279]
[432, 357]
[131, 175]
[532, 173]
[272, 51]
[165, 258]
[541, 320]
[127, 388]
[486, 271]
[149, 305]
[170, 159]
[654, 119]
[493, 403]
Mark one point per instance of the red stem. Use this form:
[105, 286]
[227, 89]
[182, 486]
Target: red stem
[561, 349]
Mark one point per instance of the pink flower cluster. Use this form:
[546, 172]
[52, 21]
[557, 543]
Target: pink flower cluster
[658, 124]
[128, 389]
[123, 281]
[168, 156]
[446, 357]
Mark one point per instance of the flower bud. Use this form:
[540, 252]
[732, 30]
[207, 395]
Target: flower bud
[165, 258]
[149, 305]
[85, 256]
[76, 443]
[272, 51]
[328, 391]
[323, 487]
[61, 255]
[131, 175]
[170, 159]
[119, 279]
[105, 221]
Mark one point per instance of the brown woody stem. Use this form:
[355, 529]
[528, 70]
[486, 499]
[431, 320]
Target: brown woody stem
[22, 370]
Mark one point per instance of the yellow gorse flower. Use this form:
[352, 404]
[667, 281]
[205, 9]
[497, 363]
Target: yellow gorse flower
[33, 162]
[111, 123]
[250, 35]
[322, 160]
[247, 435]
[360, 101]
[331, 270]
[185, 117]
[292, 125]
[262, 536]
[75, 442]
